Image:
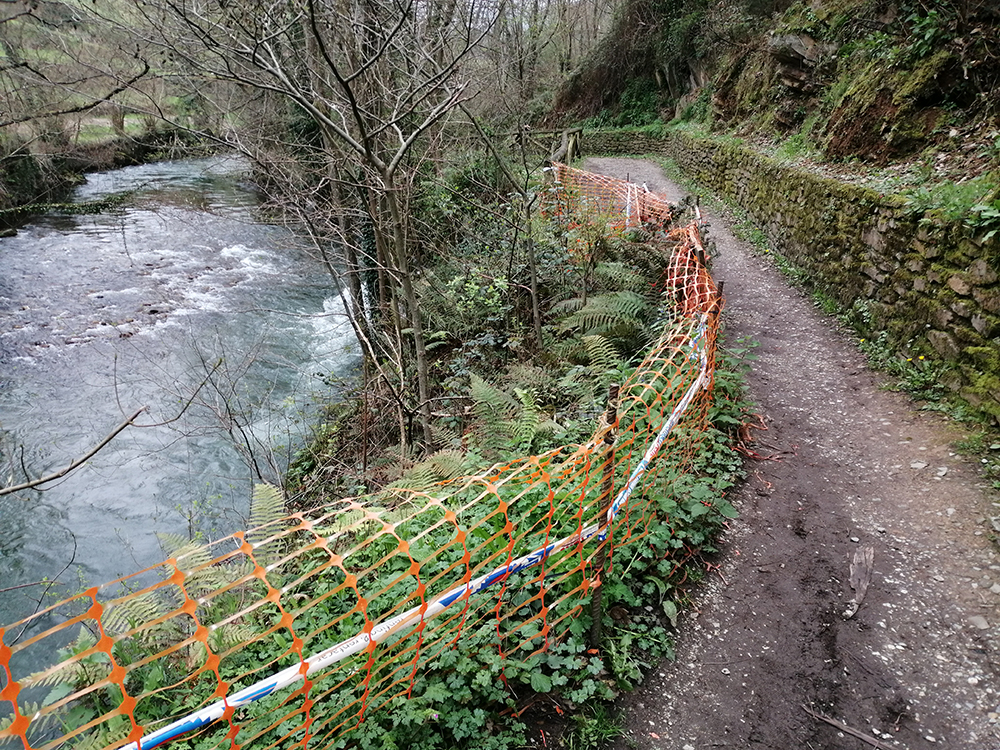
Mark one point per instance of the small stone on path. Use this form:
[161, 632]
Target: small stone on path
[978, 621]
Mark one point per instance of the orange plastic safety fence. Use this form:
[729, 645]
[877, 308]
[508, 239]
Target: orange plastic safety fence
[620, 204]
[118, 662]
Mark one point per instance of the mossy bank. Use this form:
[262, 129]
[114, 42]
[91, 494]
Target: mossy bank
[29, 177]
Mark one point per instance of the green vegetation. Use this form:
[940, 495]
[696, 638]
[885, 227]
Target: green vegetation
[602, 311]
[912, 371]
[841, 80]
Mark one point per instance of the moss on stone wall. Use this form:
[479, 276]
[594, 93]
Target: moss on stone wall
[928, 283]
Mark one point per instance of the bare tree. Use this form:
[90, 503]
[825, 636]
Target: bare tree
[57, 59]
[367, 83]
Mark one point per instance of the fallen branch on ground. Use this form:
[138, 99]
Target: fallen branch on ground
[848, 730]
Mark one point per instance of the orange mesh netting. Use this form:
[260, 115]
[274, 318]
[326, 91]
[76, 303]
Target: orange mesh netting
[620, 204]
[294, 632]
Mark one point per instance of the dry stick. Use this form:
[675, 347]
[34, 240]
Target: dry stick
[844, 728]
[77, 463]
[607, 482]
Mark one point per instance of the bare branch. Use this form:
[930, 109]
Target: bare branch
[75, 464]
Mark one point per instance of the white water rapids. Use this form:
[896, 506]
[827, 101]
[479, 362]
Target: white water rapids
[109, 312]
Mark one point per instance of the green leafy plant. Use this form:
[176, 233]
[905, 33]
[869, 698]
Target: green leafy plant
[928, 31]
[985, 218]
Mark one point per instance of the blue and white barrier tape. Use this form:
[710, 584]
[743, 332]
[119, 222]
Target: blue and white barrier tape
[360, 642]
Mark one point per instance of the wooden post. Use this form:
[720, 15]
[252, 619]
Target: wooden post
[604, 502]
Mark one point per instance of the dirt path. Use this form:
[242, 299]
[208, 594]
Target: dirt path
[853, 466]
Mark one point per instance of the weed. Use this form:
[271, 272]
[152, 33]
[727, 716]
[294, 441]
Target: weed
[985, 218]
[597, 726]
[700, 110]
[959, 201]
[825, 302]
[928, 31]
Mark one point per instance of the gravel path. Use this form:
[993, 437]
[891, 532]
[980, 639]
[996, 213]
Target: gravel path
[851, 466]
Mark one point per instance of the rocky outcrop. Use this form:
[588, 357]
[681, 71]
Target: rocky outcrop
[797, 57]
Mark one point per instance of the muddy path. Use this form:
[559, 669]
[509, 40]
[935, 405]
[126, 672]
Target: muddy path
[846, 466]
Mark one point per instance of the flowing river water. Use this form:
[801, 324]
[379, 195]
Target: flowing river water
[137, 306]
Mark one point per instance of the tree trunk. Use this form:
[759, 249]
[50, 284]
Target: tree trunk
[536, 311]
[413, 309]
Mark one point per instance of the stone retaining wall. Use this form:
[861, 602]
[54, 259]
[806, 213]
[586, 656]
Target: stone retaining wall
[929, 284]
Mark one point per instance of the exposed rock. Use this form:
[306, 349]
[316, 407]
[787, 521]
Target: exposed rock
[959, 285]
[797, 56]
[944, 344]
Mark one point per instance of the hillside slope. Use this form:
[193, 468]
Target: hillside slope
[868, 80]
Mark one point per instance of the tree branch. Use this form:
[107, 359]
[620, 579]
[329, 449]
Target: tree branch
[75, 464]
[82, 107]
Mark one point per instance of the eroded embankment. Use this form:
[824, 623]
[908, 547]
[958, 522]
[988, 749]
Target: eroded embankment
[28, 178]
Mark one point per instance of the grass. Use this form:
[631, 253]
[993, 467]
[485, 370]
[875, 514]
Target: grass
[595, 727]
[99, 130]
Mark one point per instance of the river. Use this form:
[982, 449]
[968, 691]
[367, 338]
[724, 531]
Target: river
[105, 313]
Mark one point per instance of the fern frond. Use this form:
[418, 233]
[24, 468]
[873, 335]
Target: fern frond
[602, 353]
[488, 401]
[103, 736]
[419, 478]
[574, 381]
[615, 275]
[492, 409]
[566, 307]
[194, 560]
[266, 510]
[39, 723]
[525, 426]
[348, 521]
[230, 635]
[172, 544]
[528, 375]
[135, 611]
[76, 673]
[448, 464]
[609, 312]
[268, 505]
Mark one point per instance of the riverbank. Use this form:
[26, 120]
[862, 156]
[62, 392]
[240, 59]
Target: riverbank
[29, 177]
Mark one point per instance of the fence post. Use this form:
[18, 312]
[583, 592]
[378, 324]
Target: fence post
[604, 502]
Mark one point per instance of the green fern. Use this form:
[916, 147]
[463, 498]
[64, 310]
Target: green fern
[266, 511]
[566, 307]
[524, 426]
[616, 275]
[135, 611]
[104, 735]
[40, 722]
[347, 521]
[449, 463]
[489, 403]
[607, 313]
[433, 470]
[201, 577]
[78, 673]
[624, 318]
[602, 353]
[419, 478]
